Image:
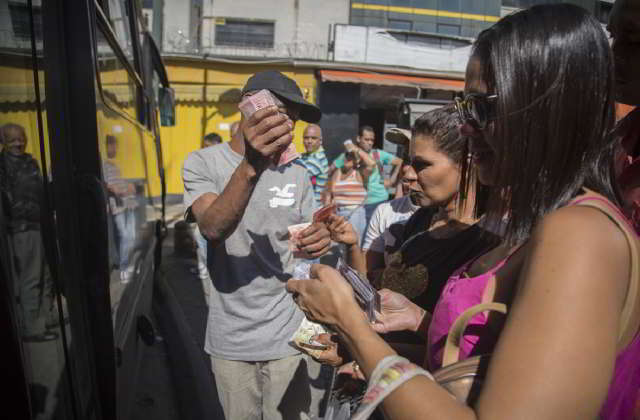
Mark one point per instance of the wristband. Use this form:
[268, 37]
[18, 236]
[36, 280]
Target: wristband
[390, 379]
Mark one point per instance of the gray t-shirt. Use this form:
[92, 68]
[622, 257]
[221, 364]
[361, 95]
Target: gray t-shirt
[251, 315]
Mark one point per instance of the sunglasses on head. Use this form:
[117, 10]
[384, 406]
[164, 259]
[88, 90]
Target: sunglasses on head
[476, 109]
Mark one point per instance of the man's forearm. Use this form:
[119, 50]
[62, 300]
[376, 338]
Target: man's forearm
[221, 218]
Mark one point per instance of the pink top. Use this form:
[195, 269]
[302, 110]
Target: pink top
[462, 292]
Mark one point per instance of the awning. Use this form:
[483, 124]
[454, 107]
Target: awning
[20, 93]
[385, 79]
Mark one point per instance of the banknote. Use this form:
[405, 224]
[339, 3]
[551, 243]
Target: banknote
[323, 213]
[288, 155]
[261, 99]
[294, 239]
[366, 296]
[303, 338]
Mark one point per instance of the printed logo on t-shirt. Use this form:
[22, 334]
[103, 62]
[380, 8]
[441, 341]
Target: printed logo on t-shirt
[283, 197]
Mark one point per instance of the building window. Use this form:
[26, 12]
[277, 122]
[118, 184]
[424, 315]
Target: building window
[429, 40]
[448, 29]
[21, 21]
[403, 25]
[244, 33]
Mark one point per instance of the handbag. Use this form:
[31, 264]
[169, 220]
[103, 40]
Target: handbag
[464, 379]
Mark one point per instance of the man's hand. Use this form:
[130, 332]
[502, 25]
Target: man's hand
[333, 354]
[315, 240]
[342, 231]
[266, 134]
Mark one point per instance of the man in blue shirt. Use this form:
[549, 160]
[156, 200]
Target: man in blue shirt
[377, 185]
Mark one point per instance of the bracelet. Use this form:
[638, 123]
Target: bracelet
[382, 366]
[399, 372]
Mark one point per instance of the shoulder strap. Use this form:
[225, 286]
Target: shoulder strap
[630, 316]
[376, 157]
[451, 352]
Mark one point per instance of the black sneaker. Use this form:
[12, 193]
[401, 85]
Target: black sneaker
[40, 338]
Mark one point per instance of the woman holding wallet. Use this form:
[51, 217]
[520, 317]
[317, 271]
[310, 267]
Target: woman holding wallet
[568, 347]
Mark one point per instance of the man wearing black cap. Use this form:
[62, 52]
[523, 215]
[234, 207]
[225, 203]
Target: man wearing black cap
[243, 206]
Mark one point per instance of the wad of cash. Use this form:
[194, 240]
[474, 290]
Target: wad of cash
[263, 99]
[303, 338]
[366, 296]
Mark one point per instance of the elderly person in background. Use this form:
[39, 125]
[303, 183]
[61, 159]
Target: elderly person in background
[22, 187]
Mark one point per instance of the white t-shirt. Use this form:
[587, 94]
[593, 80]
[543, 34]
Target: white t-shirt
[380, 233]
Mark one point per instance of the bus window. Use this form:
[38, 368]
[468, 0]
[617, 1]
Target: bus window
[119, 20]
[118, 87]
[28, 251]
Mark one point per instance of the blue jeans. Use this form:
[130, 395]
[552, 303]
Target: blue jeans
[125, 222]
[360, 219]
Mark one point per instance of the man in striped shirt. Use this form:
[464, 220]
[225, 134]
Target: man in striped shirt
[315, 160]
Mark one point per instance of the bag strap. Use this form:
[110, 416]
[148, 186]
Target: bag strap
[631, 309]
[376, 157]
[451, 352]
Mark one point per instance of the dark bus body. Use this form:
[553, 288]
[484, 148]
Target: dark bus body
[82, 94]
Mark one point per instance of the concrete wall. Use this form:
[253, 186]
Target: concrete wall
[301, 26]
[176, 35]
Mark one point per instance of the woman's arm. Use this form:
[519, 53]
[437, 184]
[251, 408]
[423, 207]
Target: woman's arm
[555, 356]
[343, 232]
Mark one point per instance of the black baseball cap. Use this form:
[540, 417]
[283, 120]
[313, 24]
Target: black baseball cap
[285, 89]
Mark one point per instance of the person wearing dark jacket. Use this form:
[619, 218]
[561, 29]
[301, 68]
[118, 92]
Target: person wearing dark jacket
[22, 189]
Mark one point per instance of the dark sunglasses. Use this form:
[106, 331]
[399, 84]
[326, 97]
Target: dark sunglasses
[476, 109]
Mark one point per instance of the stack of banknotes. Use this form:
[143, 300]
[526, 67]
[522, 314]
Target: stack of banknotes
[263, 99]
[366, 296]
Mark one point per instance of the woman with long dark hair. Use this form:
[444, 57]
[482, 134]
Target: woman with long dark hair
[538, 110]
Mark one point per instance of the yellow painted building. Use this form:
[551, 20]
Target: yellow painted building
[207, 95]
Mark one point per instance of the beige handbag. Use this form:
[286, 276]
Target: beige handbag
[464, 379]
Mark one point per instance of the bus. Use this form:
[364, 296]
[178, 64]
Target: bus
[83, 92]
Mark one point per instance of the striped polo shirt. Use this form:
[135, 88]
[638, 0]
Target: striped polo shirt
[318, 167]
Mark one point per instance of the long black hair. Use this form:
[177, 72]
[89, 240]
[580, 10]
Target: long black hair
[552, 69]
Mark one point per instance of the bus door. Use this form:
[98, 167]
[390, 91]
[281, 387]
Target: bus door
[82, 199]
[35, 329]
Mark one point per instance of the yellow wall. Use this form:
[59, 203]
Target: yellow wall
[195, 117]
